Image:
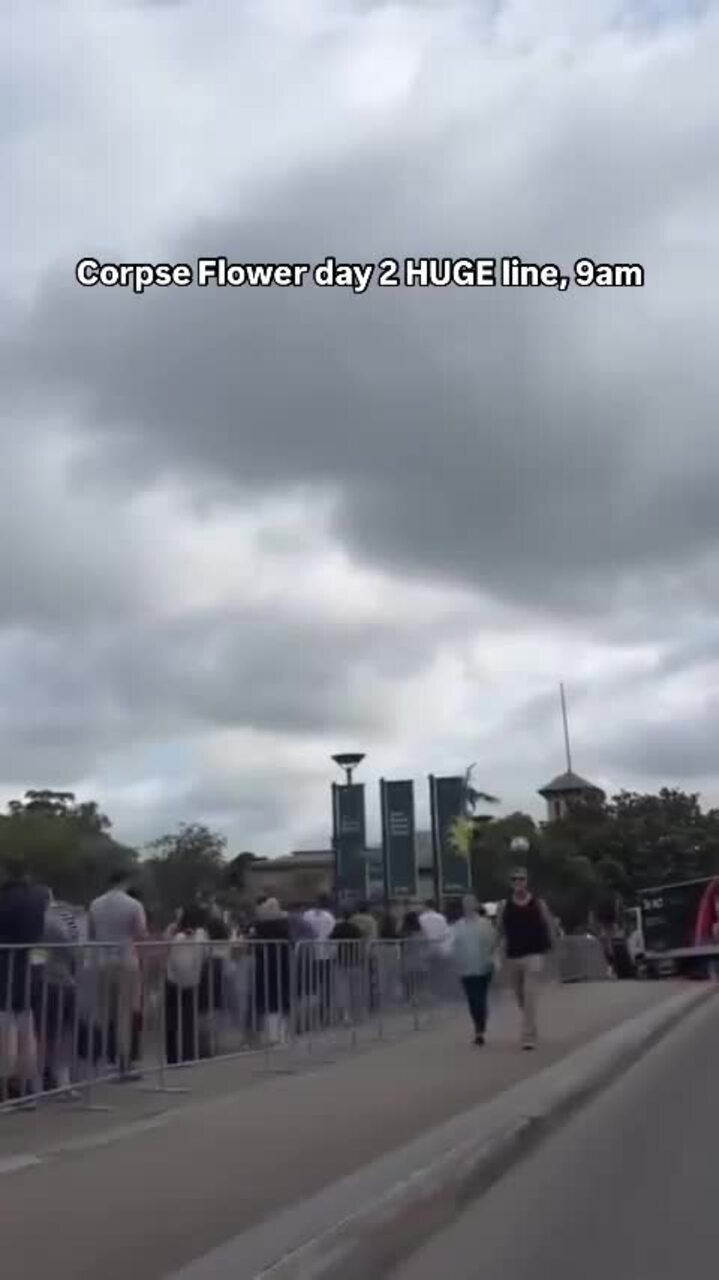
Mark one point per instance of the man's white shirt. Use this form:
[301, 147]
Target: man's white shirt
[435, 929]
[321, 923]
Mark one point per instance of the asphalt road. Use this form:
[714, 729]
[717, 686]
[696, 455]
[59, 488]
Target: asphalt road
[627, 1190]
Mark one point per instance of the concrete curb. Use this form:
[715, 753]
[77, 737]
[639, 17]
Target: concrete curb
[371, 1221]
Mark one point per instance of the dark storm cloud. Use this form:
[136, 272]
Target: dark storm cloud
[68, 697]
[527, 442]
[681, 748]
[558, 451]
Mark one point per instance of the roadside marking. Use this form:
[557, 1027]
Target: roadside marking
[11, 1164]
[108, 1136]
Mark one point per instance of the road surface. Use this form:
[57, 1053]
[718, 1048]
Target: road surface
[136, 1194]
[627, 1189]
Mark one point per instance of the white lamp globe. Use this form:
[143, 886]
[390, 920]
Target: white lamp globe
[519, 846]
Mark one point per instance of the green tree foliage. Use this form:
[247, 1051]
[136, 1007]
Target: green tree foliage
[587, 864]
[599, 856]
[62, 843]
[186, 866]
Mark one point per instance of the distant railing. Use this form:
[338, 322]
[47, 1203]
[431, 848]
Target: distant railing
[73, 1016]
[581, 959]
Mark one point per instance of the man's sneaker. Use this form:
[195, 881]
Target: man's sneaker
[528, 1046]
[479, 1039]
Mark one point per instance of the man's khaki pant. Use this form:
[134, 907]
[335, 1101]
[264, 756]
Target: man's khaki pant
[525, 975]
[117, 999]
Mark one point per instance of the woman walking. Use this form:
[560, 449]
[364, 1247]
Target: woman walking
[474, 942]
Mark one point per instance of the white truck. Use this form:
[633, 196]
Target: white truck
[679, 926]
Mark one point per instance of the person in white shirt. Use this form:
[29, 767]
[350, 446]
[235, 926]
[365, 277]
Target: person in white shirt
[474, 943]
[437, 933]
[434, 925]
[118, 920]
[186, 966]
[321, 921]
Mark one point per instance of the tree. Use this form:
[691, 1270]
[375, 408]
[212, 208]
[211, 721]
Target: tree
[237, 868]
[464, 831]
[596, 858]
[63, 843]
[186, 866]
[473, 797]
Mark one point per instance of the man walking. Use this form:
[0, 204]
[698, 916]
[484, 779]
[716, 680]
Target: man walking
[526, 929]
[474, 941]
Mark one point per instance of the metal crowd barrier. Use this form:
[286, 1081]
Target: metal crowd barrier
[77, 1015]
[581, 959]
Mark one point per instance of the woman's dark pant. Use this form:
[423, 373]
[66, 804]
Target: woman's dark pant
[476, 987]
[181, 1024]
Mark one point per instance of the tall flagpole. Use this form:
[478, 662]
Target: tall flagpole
[565, 723]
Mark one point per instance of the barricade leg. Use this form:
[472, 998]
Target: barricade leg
[169, 1031]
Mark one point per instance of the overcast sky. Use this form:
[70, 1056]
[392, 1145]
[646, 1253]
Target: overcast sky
[243, 529]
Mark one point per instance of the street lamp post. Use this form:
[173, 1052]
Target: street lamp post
[347, 761]
[519, 846]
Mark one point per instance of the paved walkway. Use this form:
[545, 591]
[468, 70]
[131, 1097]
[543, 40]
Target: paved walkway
[144, 1200]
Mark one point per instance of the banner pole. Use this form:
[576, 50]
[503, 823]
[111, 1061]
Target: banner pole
[436, 840]
[385, 842]
[336, 843]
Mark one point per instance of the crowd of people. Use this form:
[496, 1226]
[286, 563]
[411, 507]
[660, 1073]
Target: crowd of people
[82, 988]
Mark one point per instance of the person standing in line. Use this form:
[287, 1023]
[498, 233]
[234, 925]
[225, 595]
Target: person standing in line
[437, 933]
[22, 919]
[434, 925]
[118, 920]
[322, 921]
[55, 998]
[369, 928]
[302, 937]
[526, 929]
[349, 957]
[474, 942]
[300, 928]
[272, 972]
[416, 958]
[185, 977]
[366, 922]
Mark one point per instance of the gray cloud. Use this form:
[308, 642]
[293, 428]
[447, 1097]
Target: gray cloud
[679, 749]
[557, 452]
[65, 698]
[527, 443]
